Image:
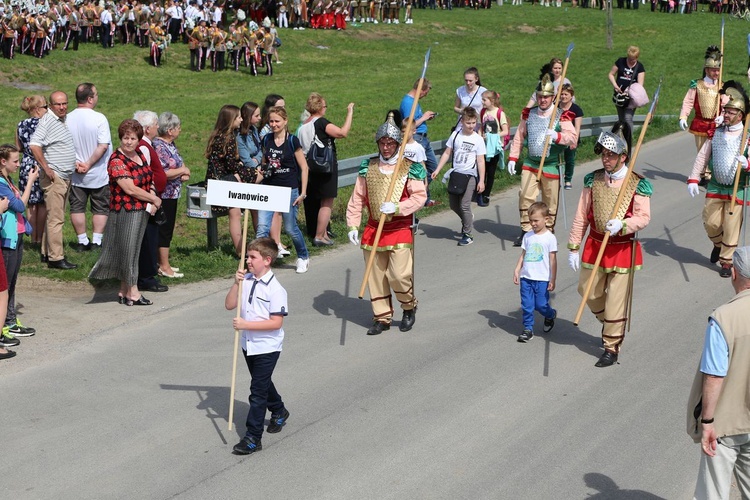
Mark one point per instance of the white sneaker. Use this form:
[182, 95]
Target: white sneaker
[374, 21]
[395, 21]
[302, 265]
[283, 252]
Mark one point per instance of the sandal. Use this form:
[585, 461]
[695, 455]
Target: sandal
[142, 301]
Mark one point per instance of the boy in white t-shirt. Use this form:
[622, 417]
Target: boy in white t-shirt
[413, 150]
[262, 311]
[536, 271]
[468, 160]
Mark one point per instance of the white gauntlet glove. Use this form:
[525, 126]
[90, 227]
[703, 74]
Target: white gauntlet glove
[693, 189]
[354, 237]
[614, 226]
[683, 124]
[573, 261]
[742, 161]
[388, 207]
[512, 167]
[552, 134]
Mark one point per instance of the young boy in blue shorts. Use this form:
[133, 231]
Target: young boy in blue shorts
[262, 310]
[536, 271]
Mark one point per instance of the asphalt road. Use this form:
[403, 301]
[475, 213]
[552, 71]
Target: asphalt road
[137, 406]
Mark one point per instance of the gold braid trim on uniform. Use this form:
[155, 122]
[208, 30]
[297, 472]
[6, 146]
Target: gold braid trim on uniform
[707, 98]
[606, 198]
[378, 184]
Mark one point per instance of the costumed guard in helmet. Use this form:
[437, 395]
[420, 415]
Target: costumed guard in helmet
[702, 96]
[534, 129]
[393, 264]
[722, 153]
[609, 295]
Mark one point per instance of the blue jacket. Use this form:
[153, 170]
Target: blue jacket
[248, 147]
[9, 231]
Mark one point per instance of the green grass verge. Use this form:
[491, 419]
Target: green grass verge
[374, 66]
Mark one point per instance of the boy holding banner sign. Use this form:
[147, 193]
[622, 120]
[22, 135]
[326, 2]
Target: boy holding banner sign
[262, 311]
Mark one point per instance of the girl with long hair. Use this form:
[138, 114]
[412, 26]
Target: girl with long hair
[224, 164]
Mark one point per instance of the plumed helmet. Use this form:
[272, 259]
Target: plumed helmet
[713, 57]
[737, 96]
[613, 140]
[388, 129]
[545, 86]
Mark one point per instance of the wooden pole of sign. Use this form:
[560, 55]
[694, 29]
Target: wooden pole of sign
[240, 267]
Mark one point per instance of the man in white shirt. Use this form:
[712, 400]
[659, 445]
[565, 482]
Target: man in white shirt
[90, 181]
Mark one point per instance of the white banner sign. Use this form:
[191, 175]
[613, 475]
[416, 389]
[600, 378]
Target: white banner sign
[250, 196]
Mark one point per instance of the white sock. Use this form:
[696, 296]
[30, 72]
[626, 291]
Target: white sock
[83, 239]
[97, 237]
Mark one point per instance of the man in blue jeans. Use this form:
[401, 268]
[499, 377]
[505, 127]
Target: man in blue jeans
[420, 134]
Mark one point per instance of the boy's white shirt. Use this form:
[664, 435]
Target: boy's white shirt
[466, 148]
[268, 297]
[537, 248]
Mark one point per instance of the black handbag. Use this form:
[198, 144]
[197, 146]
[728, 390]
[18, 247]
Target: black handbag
[621, 100]
[320, 158]
[160, 217]
[458, 182]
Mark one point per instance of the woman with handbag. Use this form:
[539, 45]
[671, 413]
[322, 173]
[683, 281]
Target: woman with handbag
[469, 95]
[322, 187]
[284, 165]
[626, 71]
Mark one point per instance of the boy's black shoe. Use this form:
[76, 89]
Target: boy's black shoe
[408, 319]
[278, 420]
[247, 446]
[526, 335]
[715, 255]
[518, 241]
[549, 323]
[378, 328]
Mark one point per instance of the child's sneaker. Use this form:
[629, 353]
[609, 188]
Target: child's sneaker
[466, 239]
[278, 420]
[7, 339]
[549, 323]
[526, 335]
[21, 331]
[247, 446]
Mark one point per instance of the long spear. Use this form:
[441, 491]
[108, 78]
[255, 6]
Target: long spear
[618, 202]
[743, 145]
[240, 267]
[721, 70]
[554, 110]
[395, 176]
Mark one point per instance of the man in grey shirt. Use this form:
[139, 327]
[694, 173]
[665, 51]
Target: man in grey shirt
[52, 145]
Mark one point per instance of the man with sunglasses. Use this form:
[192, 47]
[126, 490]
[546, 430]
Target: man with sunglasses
[393, 268]
[608, 298]
[723, 152]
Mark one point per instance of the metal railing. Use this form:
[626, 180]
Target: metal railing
[590, 126]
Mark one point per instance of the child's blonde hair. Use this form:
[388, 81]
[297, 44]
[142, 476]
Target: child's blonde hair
[539, 207]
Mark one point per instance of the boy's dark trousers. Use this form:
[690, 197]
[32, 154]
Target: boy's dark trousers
[263, 394]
